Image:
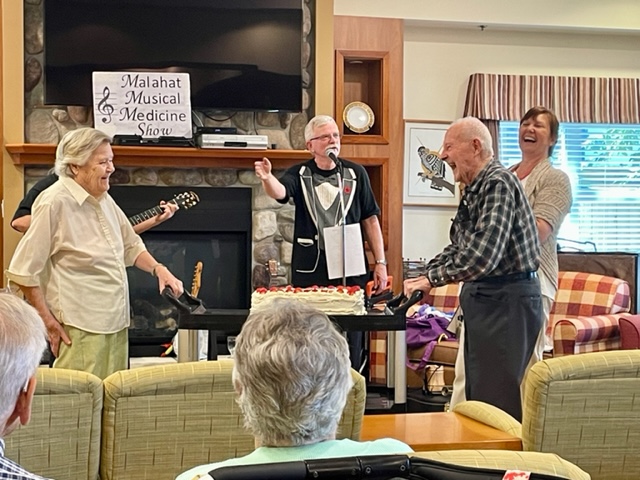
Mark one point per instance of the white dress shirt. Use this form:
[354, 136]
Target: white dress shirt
[77, 249]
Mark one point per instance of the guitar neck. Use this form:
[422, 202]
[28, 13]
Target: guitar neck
[146, 215]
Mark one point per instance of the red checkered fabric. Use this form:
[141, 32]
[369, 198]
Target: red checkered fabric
[586, 334]
[590, 294]
[378, 358]
[630, 332]
[444, 298]
[584, 317]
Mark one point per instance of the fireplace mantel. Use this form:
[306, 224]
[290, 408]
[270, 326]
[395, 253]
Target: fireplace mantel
[32, 154]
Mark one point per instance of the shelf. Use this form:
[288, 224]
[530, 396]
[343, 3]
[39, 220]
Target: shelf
[42, 154]
[37, 154]
[362, 76]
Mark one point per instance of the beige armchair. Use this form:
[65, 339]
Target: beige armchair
[62, 440]
[585, 408]
[160, 421]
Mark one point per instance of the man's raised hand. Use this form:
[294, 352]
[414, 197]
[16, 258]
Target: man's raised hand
[263, 168]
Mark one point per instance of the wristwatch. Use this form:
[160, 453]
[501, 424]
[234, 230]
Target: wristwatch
[381, 262]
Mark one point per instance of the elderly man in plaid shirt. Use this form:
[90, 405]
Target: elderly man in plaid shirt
[494, 250]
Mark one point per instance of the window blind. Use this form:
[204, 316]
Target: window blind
[603, 163]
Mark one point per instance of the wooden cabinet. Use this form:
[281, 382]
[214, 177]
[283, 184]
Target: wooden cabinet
[364, 77]
[368, 69]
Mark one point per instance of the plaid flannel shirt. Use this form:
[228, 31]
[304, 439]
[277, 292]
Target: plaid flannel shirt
[494, 232]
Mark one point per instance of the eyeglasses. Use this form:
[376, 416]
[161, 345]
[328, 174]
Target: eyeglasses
[326, 137]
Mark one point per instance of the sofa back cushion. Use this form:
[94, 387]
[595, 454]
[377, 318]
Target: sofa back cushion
[587, 294]
[62, 440]
[162, 420]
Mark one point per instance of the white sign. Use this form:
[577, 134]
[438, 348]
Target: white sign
[147, 104]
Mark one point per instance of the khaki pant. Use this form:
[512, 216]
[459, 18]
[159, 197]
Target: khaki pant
[97, 353]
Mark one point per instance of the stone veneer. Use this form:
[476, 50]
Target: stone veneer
[48, 124]
[272, 222]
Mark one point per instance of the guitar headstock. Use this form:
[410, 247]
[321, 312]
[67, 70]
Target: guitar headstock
[197, 278]
[186, 200]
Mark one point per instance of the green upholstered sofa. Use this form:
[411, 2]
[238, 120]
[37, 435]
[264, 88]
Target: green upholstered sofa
[155, 422]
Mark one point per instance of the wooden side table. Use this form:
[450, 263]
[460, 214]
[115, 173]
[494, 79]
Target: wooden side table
[437, 431]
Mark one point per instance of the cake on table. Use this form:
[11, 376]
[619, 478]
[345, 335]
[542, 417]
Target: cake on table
[330, 300]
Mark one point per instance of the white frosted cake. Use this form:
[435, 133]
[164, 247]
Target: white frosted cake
[330, 300]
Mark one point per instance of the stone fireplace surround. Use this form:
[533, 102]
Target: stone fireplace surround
[216, 232]
[272, 223]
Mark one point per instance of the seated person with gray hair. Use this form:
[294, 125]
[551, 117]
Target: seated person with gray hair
[22, 341]
[292, 375]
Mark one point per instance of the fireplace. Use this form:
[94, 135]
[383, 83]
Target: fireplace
[216, 232]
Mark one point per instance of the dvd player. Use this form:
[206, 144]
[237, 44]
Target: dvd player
[258, 142]
[137, 140]
[222, 130]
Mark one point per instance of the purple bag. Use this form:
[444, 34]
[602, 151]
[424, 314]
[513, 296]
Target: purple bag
[427, 327]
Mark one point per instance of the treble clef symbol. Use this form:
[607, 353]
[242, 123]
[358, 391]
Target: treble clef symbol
[104, 107]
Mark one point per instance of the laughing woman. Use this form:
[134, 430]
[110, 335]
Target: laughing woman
[549, 192]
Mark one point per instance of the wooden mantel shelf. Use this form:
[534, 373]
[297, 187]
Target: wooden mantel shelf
[34, 154]
[44, 154]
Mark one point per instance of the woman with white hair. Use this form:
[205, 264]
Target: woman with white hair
[292, 376]
[71, 263]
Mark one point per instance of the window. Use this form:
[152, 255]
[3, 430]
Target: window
[603, 163]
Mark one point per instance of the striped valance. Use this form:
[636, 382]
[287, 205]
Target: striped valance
[573, 99]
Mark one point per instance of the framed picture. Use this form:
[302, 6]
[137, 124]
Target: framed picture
[428, 180]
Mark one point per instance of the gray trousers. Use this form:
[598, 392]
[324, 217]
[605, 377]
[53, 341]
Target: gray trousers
[501, 326]
[458, 394]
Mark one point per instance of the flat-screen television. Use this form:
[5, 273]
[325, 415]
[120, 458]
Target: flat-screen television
[240, 54]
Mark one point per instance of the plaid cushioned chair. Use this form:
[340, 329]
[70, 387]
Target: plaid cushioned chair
[162, 420]
[585, 315]
[444, 298]
[584, 408]
[62, 440]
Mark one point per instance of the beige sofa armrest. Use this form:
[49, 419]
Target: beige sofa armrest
[544, 463]
[490, 415]
[350, 424]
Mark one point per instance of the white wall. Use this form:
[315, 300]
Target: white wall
[438, 62]
[443, 47]
[437, 65]
[608, 15]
